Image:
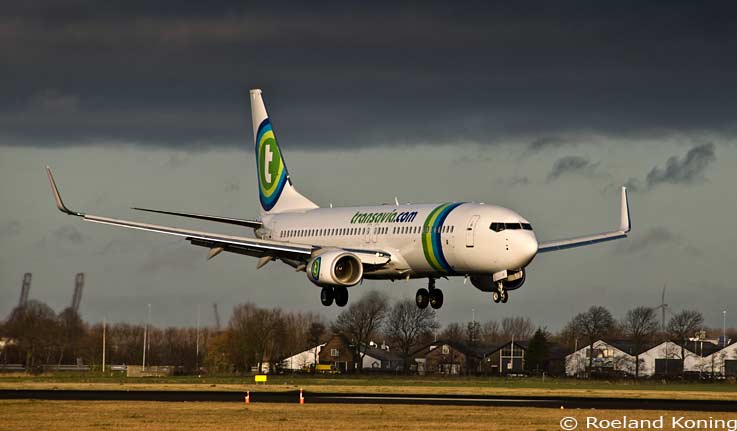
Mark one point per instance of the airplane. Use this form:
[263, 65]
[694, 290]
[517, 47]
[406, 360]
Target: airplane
[338, 248]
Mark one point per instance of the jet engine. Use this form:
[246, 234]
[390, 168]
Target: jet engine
[335, 268]
[485, 283]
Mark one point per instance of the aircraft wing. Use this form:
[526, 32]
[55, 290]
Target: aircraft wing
[624, 228]
[243, 245]
[216, 242]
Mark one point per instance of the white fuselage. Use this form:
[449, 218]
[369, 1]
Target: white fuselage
[424, 240]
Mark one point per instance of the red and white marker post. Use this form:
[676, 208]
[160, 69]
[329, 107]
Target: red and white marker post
[248, 397]
[301, 397]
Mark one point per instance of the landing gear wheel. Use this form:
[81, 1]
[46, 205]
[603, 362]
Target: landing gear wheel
[504, 296]
[422, 298]
[341, 296]
[436, 298]
[326, 296]
[495, 296]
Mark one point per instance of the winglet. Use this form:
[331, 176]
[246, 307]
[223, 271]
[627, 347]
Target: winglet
[625, 225]
[57, 196]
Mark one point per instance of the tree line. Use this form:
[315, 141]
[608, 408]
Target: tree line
[35, 335]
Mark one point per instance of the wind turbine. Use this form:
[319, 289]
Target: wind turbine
[663, 307]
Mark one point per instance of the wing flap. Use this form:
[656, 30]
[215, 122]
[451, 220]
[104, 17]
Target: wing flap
[229, 220]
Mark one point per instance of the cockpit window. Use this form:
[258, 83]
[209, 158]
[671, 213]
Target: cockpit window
[499, 226]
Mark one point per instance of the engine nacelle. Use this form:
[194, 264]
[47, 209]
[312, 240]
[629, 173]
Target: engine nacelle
[335, 268]
[485, 283]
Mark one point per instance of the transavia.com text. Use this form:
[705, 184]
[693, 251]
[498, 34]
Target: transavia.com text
[660, 423]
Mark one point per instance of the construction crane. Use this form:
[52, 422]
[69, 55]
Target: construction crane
[78, 286]
[217, 315]
[24, 290]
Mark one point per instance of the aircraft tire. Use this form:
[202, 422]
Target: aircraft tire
[422, 298]
[326, 296]
[436, 298]
[341, 296]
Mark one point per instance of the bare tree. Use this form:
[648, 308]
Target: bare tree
[682, 326]
[491, 332]
[406, 325]
[361, 321]
[519, 327]
[35, 328]
[452, 332]
[640, 325]
[593, 324]
[71, 331]
[473, 334]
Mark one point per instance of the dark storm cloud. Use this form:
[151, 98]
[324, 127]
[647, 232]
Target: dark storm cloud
[571, 165]
[546, 142]
[349, 74]
[688, 170]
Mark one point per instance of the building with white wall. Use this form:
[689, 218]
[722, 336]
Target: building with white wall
[302, 360]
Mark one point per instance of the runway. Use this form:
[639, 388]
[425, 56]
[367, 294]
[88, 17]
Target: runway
[344, 398]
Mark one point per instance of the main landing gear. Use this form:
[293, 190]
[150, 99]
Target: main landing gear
[500, 294]
[339, 294]
[431, 295]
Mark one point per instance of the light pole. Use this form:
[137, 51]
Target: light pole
[145, 337]
[197, 341]
[724, 327]
[104, 324]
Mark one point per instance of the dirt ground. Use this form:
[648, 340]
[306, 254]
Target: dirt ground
[110, 415]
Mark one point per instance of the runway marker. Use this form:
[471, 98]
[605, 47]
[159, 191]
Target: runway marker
[248, 397]
[301, 397]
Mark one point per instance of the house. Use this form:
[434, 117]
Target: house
[705, 358]
[381, 358]
[724, 361]
[662, 360]
[615, 356]
[445, 357]
[507, 358]
[338, 352]
[303, 360]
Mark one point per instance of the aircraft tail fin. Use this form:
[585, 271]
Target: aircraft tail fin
[275, 189]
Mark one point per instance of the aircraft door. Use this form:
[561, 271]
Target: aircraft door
[471, 230]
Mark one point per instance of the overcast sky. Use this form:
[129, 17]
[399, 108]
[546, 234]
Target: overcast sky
[546, 108]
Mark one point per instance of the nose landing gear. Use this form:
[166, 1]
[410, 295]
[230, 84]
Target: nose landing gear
[500, 294]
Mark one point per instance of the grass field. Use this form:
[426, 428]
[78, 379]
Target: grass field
[104, 415]
[384, 384]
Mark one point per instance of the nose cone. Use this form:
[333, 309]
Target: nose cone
[527, 248]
